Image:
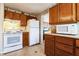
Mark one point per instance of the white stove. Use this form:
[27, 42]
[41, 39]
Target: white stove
[12, 41]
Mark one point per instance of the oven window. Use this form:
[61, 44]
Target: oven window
[11, 40]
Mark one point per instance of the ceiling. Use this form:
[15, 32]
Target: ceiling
[32, 8]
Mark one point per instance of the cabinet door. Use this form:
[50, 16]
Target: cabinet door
[66, 13]
[65, 40]
[23, 20]
[64, 47]
[31, 17]
[8, 14]
[53, 15]
[16, 16]
[25, 39]
[49, 45]
[77, 11]
[77, 51]
[77, 42]
[59, 52]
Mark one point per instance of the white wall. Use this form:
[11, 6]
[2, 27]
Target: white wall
[1, 25]
[41, 24]
[46, 18]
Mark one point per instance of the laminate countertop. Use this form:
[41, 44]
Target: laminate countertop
[64, 35]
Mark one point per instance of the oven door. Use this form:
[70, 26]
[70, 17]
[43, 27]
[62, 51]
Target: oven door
[12, 40]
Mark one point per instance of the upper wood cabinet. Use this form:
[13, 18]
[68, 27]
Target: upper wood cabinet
[16, 16]
[77, 11]
[11, 15]
[67, 13]
[53, 15]
[31, 17]
[63, 13]
[23, 19]
[8, 14]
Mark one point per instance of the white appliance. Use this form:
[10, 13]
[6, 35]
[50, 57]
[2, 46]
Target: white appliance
[12, 36]
[67, 28]
[12, 42]
[33, 32]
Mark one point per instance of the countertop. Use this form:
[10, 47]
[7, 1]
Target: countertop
[64, 35]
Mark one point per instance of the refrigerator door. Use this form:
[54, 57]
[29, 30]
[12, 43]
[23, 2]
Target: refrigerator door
[34, 36]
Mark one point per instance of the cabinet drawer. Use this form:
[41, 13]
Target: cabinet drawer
[77, 51]
[64, 40]
[66, 48]
[77, 43]
[59, 52]
[46, 36]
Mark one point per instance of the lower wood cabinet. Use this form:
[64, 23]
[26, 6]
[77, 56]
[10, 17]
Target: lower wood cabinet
[64, 47]
[77, 51]
[61, 46]
[77, 43]
[49, 45]
[25, 39]
[77, 48]
[64, 40]
[59, 52]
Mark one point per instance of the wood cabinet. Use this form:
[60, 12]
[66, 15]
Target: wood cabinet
[77, 11]
[23, 19]
[16, 16]
[67, 13]
[64, 47]
[77, 51]
[25, 39]
[59, 52]
[53, 15]
[49, 45]
[63, 13]
[61, 46]
[8, 14]
[64, 40]
[31, 17]
[11, 15]
[77, 48]
[77, 43]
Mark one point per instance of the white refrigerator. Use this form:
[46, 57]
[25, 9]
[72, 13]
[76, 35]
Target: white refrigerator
[33, 32]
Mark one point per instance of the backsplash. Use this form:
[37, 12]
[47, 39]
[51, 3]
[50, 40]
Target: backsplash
[50, 28]
[23, 28]
[11, 25]
[53, 28]
[78, 27]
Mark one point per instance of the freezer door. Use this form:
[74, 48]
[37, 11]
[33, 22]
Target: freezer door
[34, 36]
[34, 24]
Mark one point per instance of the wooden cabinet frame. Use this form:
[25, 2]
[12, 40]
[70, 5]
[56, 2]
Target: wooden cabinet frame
[74, 46]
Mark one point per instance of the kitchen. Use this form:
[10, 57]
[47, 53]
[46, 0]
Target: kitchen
[21, 32]
[53, 31]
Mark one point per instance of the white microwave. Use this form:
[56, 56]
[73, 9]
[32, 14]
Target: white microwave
[67, 28]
